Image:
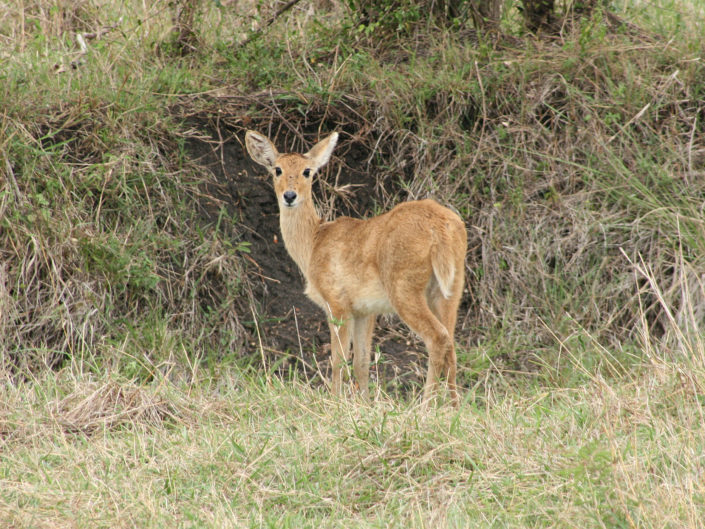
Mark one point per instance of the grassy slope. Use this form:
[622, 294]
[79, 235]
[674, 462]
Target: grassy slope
[107, 255]
[607, 433]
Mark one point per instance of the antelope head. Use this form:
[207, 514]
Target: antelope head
[292, 173]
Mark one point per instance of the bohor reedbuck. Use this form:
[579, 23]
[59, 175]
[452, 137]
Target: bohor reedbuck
[409, 261]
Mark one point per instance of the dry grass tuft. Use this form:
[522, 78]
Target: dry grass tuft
[105, 406]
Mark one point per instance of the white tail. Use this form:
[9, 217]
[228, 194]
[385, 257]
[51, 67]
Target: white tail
[410, 260]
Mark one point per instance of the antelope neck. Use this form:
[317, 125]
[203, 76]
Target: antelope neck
[298, 226]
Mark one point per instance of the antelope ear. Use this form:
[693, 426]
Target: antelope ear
[261, 149]
[320, 153]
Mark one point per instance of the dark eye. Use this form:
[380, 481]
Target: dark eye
[278, 171]
[307, 172]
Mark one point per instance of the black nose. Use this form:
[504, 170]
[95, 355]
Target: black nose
[289, 196]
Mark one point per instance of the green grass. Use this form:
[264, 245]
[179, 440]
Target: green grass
[87, 451]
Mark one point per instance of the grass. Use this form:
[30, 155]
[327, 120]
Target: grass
[242, 451]
[126, 293]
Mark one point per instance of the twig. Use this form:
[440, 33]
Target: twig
[690, 149]
[298, 335]
[634, 119]
[11, 175]
[261, 346]
[102, 31]
[271, 20]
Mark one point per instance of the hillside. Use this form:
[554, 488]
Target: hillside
[135, 225]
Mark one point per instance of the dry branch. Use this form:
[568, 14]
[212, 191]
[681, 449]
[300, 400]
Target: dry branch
[286, 7]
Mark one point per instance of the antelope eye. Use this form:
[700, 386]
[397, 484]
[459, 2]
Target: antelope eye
[278, 171]
[307, 172]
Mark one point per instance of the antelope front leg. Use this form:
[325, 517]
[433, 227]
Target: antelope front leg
[339, 349]
[362, 339]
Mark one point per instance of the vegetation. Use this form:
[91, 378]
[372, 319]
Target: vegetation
[143, 378]
[99, 452]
